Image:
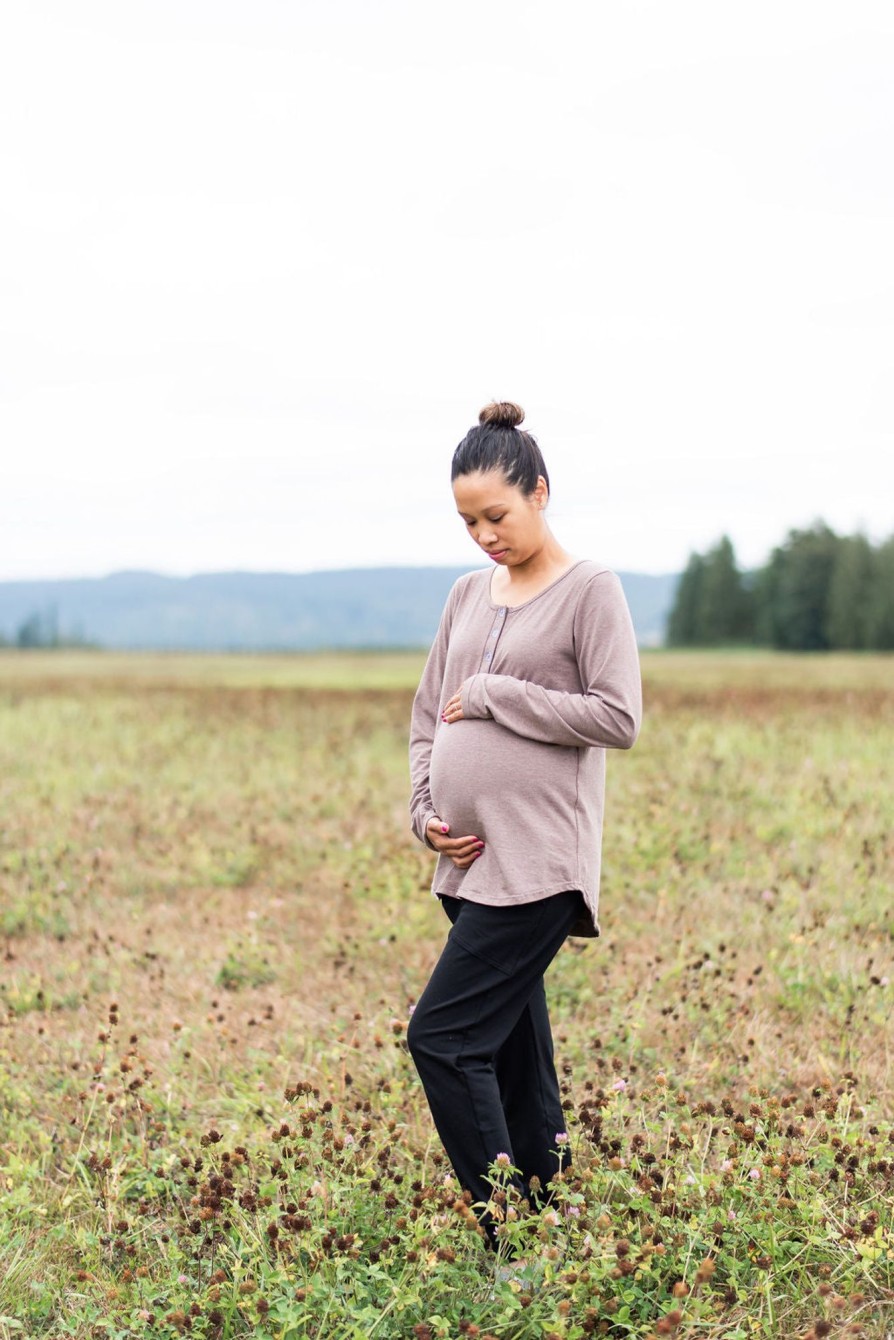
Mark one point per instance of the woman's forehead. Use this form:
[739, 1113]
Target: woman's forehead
[483, 489]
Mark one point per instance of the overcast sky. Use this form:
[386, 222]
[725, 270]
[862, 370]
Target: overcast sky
[262, 261]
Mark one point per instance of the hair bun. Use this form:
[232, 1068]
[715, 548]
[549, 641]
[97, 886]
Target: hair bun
[502, 414]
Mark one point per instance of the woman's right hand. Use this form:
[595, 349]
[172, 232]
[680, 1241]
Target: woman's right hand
[462, 851]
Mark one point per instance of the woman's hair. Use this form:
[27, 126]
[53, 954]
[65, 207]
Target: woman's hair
[498, 443]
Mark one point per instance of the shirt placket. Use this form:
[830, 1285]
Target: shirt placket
[493, 637]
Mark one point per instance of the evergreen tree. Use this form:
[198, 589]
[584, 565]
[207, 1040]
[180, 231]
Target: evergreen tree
[850, 594]
[30, 632]
[765, 600]
[683, 623]
[880, 614]
[800, 589]
[724, 607]
[39, 630]
[712, 605]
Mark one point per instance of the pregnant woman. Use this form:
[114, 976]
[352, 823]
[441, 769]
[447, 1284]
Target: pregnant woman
[532, 676]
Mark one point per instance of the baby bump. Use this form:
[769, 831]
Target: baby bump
[480, 770]
[455, 777]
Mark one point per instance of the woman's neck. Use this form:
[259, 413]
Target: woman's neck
[521, 581]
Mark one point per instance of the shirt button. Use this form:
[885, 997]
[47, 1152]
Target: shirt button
[488, 655]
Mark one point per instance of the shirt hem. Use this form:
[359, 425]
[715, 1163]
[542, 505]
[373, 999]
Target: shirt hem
[587, 929]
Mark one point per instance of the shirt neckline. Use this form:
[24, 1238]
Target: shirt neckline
[555, 582]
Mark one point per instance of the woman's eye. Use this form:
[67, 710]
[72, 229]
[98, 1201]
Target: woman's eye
[494, 520]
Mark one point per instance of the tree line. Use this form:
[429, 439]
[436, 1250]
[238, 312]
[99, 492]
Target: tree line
[818, 592]
[41, 629]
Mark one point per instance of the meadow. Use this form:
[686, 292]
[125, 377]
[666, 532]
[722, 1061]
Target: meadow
[214, 924]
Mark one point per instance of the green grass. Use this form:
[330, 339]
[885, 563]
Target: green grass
[724, 669]
[214, 924]
[298, 670]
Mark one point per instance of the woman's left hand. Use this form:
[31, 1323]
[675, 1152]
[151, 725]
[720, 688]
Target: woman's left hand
[453, 709]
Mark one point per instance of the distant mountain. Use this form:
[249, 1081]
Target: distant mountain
[248, 611]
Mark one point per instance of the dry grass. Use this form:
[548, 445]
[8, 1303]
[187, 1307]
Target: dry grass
[218, 849]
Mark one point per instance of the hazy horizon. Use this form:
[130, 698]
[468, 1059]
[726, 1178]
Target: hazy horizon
[268, 572]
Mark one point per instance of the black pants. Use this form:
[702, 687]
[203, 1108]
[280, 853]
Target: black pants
[481, 1040]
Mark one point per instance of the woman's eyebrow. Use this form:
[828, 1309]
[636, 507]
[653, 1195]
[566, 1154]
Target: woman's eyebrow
[491, 507]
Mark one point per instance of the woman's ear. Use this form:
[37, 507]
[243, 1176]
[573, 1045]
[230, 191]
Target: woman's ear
[541, 493]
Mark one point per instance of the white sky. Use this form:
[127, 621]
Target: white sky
[262, 261]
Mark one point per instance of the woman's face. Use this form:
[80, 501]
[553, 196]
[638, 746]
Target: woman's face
[506, 524]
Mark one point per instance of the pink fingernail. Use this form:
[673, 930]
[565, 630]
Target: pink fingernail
[444, 828]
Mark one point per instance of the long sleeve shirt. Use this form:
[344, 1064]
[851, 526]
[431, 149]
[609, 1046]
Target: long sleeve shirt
[547, 687]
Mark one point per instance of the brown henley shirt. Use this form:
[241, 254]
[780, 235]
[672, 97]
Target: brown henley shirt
[547, 687]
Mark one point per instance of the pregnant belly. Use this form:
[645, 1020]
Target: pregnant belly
[481, 772]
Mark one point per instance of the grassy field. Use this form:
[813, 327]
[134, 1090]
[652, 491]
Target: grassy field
[214, 924]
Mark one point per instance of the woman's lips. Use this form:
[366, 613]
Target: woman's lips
[496, 554]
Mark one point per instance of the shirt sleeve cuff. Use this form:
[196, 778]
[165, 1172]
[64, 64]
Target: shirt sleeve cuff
[473, 698]
[424, 823]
